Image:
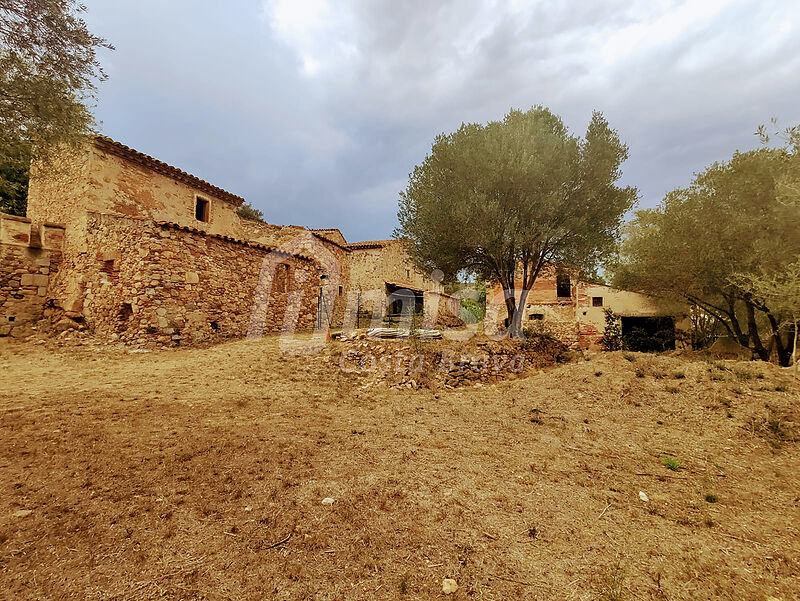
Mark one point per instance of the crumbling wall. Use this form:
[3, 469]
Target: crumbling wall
[29, 256]
[374, 264]
[148, 282]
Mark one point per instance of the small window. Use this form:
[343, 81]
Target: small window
[536, 316]
[201, 207]
[341, 289]
[563, 286]
[408, 273]
[597, 301]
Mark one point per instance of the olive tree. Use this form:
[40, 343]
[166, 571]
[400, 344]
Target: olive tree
[504, 199]
[48, 70]
[704, 241]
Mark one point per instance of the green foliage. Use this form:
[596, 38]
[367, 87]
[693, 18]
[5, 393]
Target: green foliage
[711, 497]
[48, 70]
[671, 463]
[473, 298]
[14, 180]
[612, 335]
[502, 200]
[249, 212]
[737, 217]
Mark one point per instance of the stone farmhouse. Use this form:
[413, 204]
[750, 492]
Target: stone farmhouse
[140, 251]
[574, 310]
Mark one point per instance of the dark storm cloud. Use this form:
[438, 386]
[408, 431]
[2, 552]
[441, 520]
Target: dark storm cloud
[317, 110]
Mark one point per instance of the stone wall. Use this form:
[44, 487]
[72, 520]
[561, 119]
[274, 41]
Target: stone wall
[107, 177]
[372, 264]
[148, 282]
[29, 256]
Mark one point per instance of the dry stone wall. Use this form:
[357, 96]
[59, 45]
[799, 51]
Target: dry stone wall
[29, 256]
[147, 282]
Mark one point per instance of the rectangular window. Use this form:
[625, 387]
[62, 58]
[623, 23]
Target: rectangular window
[597, 301]
[536, 316]
[201, 209]
[341, 289]
[563, 286]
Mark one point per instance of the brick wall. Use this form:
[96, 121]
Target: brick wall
[29, 256]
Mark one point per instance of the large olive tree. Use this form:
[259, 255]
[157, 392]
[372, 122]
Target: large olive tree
[707, 243]
[48, 70]
[504, 199]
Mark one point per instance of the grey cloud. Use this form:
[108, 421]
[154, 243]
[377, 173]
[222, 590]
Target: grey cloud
[218, 90]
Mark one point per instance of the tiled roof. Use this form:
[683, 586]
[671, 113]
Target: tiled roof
[370, 244]
[114, 147]
[186, 228]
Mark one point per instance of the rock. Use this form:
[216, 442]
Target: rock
[327, 501]
[449, 586]
[643, 496]
[65, 324]
[22, 513]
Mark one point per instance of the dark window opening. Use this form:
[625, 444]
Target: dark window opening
[201, 207]
[597, 301]
[125, 312]
[11, 318]
[563, 286]
[536, 316]
[408, 273]
[341, 289]
[648, 334]
[214, 325]
[107, 266]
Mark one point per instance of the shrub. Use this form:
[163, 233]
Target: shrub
[249, 212]
[671, 463]
[612, 335]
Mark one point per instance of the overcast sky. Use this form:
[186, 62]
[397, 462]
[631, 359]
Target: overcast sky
[316, 110]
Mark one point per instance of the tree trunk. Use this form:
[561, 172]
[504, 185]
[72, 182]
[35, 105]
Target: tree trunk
[511, 307]
[737, 329]
[784, 355]
[752, 333]
[794, 348]
[520, 315]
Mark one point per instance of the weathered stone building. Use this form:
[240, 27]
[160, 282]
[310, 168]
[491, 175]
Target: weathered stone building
[574, 310]
[139, 250]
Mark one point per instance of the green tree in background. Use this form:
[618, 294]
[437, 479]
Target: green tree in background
[736, 221]
[504, 199]
[249, 212]
[48, 70]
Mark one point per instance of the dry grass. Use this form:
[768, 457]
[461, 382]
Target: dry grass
[200, 474]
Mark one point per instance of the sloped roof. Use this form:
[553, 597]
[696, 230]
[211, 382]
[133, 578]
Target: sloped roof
[370, 244]
[126, 152]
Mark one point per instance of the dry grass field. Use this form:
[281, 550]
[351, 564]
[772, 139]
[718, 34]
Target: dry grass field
[201, 474]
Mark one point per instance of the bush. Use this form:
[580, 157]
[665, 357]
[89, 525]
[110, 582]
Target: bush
[671, 463]
[249, 212]
[612, 336]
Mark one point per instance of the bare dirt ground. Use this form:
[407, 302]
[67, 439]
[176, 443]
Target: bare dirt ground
[200, 474]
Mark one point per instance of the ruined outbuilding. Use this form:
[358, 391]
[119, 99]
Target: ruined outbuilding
[574, 310]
